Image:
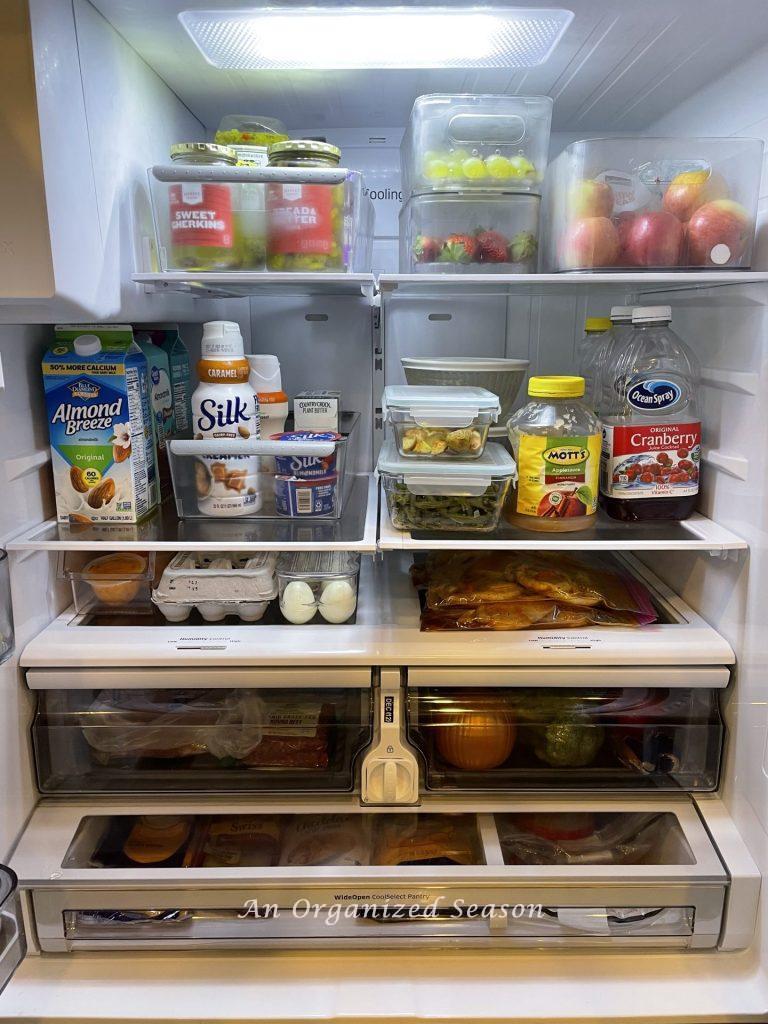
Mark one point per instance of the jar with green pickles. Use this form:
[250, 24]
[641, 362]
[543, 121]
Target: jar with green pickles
[305, 223]
[201, 215]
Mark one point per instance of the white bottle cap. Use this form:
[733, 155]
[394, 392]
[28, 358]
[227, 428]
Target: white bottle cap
[221, 340]
[265, 373]
[87, 344]
[651, 314]
[622, 313]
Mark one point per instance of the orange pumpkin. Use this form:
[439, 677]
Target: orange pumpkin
[477, 740]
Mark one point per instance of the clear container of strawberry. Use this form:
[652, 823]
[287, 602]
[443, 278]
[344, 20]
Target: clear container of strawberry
[469, 233]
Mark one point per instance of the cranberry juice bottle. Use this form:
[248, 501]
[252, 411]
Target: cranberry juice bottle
[651, 429]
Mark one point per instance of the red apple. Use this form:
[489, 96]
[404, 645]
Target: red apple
[624, 223]
[690, 190]
[654, 240]
[589, 198]
[590, 242]
[718, 234]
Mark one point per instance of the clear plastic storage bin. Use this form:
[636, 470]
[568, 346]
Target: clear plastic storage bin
[6, 612]
[120, 582]
[250, 135]
[315, 488]
[653, 204]
[466, 233]
[217, 585]
[534, 738]
[440, 422]
[318, 586]
[247, 215]
[456, 496]
[476, 142]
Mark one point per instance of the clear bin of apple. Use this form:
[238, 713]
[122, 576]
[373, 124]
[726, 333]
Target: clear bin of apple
[698, 225]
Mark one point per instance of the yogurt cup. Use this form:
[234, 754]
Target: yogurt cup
[298, 497]
[306, 467]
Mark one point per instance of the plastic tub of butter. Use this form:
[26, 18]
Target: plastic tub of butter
[316, 584]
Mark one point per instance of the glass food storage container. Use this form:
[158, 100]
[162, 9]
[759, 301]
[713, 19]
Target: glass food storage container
[476, 142]
[464, 233]
[653, 204]
[118, 583]
[217, 585]
[440, 422]
[556, 441]
[538, 738]
[250, 136]
[305, 222]
[318, 586]
[6, 611]
[455, 496]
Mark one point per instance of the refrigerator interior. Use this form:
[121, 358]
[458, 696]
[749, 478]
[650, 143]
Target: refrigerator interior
[120, 90]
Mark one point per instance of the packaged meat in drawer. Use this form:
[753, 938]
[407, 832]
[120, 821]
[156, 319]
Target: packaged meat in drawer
[604, 736]
[234, 873]
[214, 739]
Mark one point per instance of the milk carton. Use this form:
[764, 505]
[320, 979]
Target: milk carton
[100, 423]
[161, 403]
[168, 339]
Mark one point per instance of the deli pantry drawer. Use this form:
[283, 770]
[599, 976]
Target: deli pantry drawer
[664, 885]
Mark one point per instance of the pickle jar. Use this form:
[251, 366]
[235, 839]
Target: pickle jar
[201, 213]
[305, 223]
[556, 441]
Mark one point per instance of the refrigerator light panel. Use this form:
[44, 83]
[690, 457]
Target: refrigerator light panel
[310, 38]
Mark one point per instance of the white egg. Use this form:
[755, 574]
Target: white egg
[298, 602]
[338, 601]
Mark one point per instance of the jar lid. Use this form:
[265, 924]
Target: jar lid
[597, 323]
[208, 148]
[556, 387]
[304, 148]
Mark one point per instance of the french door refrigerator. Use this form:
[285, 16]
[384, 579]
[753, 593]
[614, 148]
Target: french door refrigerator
[222, 810]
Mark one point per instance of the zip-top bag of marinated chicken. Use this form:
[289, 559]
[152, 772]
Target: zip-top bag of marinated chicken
[102, 444]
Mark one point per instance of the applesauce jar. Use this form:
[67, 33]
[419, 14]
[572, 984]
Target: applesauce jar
[556, 441]
[305, 223]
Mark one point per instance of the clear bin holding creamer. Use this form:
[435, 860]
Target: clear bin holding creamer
[120, 582]
[314, 489]
[476, 142]
[455, 496]
[318, 586]
[440, 422]
[470, 233]
[217, 585]
[235, 212]
[652, 204]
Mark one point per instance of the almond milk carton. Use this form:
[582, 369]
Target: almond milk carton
[100, 423]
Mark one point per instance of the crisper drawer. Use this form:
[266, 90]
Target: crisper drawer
[201, 730]
[171, 875]
[602, 729]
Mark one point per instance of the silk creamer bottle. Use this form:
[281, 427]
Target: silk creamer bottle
[224, 407]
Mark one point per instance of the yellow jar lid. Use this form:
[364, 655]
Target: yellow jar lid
[556, 387]
[597, 323]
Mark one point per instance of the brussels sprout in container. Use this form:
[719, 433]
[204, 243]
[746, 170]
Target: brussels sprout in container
[460, 497]
[440, 422]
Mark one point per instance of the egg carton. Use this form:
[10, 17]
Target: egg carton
[318, 584]
[217, 584]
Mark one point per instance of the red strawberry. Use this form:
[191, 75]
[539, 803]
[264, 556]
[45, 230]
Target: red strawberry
[426, 249]
[459, 249]
[493, 247]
